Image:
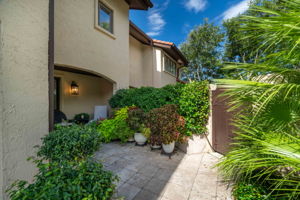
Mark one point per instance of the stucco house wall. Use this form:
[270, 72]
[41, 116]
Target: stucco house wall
[167, 78]
[136, 63]
[92, 91]
[79, 43]
[141, 64]
[24, 86]
[147, 66]
[160, 77]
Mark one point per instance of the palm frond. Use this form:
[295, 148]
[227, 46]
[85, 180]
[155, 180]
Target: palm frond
[265, 156]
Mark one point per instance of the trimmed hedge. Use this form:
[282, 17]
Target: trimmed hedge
[192, 100]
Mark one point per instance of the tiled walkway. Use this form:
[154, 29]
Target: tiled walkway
[148, 175]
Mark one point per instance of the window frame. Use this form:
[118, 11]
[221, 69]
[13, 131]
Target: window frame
[105, 7]
[164, 64]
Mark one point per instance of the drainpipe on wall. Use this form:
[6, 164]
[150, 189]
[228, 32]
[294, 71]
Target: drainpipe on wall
[51, 65]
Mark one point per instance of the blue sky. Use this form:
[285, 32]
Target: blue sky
[172, 20]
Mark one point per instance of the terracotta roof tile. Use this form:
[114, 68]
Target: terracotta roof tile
[163, 42]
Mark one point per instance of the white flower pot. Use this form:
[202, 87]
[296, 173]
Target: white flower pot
[131, 139]
[169, 148]
[140, 138]
[156, 146]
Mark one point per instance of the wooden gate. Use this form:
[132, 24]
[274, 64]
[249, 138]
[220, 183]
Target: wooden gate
[222, 129]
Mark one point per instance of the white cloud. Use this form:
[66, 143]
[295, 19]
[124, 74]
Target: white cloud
[156, 20]
[236, 9]
[195, 5]
[152, 33]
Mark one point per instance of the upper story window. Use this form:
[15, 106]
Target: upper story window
[169, 65]
[105, 17]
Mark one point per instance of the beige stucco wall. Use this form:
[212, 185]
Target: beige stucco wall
[24, 86]
[78, 43]
[147, 67]
[92, 91]
[160, 77]
[141, 64]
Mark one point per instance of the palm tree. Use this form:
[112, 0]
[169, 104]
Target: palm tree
[267, 146]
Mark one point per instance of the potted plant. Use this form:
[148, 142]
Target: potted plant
[167, 125]
[155, 137]
[82, 118]
[135, 121]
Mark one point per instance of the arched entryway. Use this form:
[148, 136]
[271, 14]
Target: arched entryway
[93, 89]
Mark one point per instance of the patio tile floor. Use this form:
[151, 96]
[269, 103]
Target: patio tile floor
[148, 175]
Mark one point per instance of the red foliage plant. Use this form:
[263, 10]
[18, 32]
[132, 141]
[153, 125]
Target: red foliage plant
[165, 124]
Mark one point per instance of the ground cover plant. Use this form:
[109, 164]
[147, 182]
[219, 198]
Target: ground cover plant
[267, 148]
[250, 191]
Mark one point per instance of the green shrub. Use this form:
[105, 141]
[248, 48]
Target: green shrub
[173, 93]
[70, 143]
[136, 119]
[116, 128]
[194, 106]
[248, 191]
[122, 98]
[192, 99]
[146, 98]
[66, 181]
[165, 124]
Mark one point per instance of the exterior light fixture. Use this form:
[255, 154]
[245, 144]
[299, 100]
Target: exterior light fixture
[74, 88]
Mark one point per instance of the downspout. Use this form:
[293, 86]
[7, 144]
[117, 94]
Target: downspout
[1, 120]
[51, 65]
[153, 56]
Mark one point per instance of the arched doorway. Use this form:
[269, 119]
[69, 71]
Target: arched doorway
[92, 90]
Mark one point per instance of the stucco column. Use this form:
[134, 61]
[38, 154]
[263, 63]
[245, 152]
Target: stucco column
[24, 99]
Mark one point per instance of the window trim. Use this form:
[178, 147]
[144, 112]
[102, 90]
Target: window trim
[164, 67]
[97, 26]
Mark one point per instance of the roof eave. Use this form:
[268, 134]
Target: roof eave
[139, 4]
[173, 48]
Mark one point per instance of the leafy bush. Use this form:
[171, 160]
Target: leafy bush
[173, 93]
[66, 180]
[136, 118]
[70, 143]
[244, 191]
[146, 98]
[194, 106]
[165, 123]
[81, 118]
[116, 128]
[192, 99]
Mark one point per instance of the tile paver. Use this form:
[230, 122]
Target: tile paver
[147, 175]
